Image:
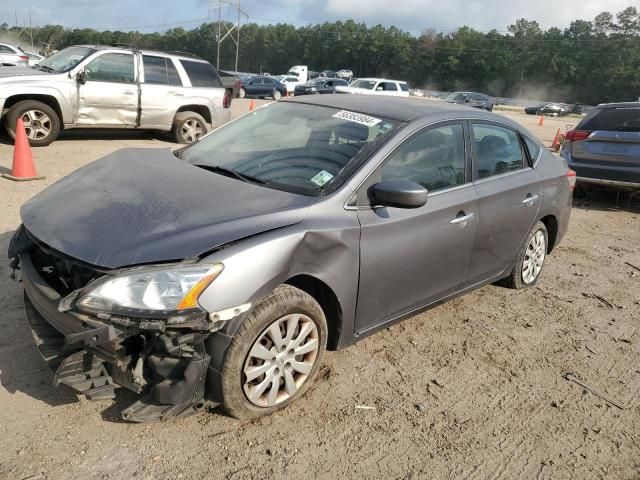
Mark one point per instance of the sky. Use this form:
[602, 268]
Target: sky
[410, 15]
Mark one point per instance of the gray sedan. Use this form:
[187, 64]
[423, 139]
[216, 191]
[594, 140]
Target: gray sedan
[220, 273]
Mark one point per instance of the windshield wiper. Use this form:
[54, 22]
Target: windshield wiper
[45, 68]
[228, 172]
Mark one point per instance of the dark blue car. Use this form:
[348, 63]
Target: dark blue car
[262, 86]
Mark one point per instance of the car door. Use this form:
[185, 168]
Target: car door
[412, 257]
[6, 54]
[268, 85]
[509, 196]
[327, 87]
[161, 91]
[109, 97]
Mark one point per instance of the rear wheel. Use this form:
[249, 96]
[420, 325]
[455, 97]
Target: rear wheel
[41, 122]
[242, 93]
[276, 354]
[188, 127]
[531, 259]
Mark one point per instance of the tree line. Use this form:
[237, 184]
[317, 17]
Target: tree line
[591, 61]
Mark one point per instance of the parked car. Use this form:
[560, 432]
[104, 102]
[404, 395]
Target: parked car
[262, 86]
[604, 148]
[471, 99]
[220, 273]
[376, 86]
[290, 82]
[550, 109]
[231, 82]
[320, 85]
[345, 74]
[11, 56]
[34, 58]
[328, 74]
[112, 87]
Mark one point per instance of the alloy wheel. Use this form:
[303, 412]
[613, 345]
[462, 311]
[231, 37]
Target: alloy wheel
[280, 360]
[37, 124]
[534, 257]
[192, 130]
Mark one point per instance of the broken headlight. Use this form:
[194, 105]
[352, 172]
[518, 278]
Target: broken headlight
[153, 291]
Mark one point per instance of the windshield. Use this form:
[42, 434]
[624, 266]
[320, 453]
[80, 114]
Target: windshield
[368, 84]
[65, 59]
[294, 147]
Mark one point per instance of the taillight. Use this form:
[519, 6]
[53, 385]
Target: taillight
[572, 177]
[226, 101]
[575, 135]
[24, 57]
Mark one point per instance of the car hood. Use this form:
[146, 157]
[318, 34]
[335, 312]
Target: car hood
[6, 73]
[139, 206]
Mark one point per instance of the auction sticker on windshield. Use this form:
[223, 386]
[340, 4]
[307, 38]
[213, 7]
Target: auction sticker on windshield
[321, 178]
[357, 118]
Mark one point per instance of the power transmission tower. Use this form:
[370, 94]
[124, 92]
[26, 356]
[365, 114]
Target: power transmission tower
[230, 7]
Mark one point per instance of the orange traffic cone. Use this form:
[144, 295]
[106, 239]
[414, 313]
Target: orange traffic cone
[541, 122]
[555, 145]
[23, 167]
[252, 105]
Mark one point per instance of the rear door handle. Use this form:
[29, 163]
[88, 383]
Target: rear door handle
[462, 218]
[530, 200]
[128, 92]
[177, 94]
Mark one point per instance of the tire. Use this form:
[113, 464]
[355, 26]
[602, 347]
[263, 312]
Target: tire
[41, 122]
[188, 127]
[242, 93]
[283, 305]
[276, 95]
[518, 278]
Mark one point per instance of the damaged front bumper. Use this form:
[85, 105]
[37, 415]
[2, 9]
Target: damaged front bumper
[94, 356]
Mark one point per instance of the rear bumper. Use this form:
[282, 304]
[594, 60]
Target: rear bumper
[608, 183]
[94, 356]
[602, 174]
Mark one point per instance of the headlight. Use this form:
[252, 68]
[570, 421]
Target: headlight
[153, 290]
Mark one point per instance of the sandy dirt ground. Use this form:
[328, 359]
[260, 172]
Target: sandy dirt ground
[473, 389]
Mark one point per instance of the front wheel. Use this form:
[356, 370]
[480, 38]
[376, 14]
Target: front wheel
[276, 354]
[41, 122]
[276, 95]
[530, 261]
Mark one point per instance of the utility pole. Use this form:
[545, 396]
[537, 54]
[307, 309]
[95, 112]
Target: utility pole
[229, 5]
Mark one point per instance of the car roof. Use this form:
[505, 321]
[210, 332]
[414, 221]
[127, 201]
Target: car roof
[184, 55]
[393, 108]
[380, 80]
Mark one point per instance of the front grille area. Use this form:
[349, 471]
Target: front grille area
[61, 273]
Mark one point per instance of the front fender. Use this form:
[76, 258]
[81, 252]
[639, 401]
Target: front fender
[64, 95]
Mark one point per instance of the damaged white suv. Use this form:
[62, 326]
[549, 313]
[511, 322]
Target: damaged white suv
[113, 87]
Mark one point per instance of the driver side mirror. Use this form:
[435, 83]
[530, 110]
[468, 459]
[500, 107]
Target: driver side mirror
[81, 77]
[398, 193]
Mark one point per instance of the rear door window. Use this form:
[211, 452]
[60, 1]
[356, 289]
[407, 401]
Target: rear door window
[160, 71]
[388, 86]
[619, 119]
[5, 49]
[497, 150]
[201, 74]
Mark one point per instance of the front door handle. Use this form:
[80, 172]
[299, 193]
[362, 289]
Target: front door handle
[530, 200]
[462, 218]
[128, 92]
[176, 94]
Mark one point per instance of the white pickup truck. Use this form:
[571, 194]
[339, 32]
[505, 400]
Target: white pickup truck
[376, 86]
[113, 87]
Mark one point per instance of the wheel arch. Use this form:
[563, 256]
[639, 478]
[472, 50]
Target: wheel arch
[49, 100]
[551, 223]
[328, 300]
[201, 110]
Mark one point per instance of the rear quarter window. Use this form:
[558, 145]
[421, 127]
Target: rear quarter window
[619, 119]
[533, 148]
[201, 74]
[404, 87]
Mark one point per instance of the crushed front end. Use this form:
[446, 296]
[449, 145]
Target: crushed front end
[160, 355]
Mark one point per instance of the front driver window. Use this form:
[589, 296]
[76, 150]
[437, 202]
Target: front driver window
[434, 158]
[111, 67]
[498, 150]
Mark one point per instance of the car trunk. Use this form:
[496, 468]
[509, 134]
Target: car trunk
[608, 155]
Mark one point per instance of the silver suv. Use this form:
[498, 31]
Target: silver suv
[112, 87]
[11, 56]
